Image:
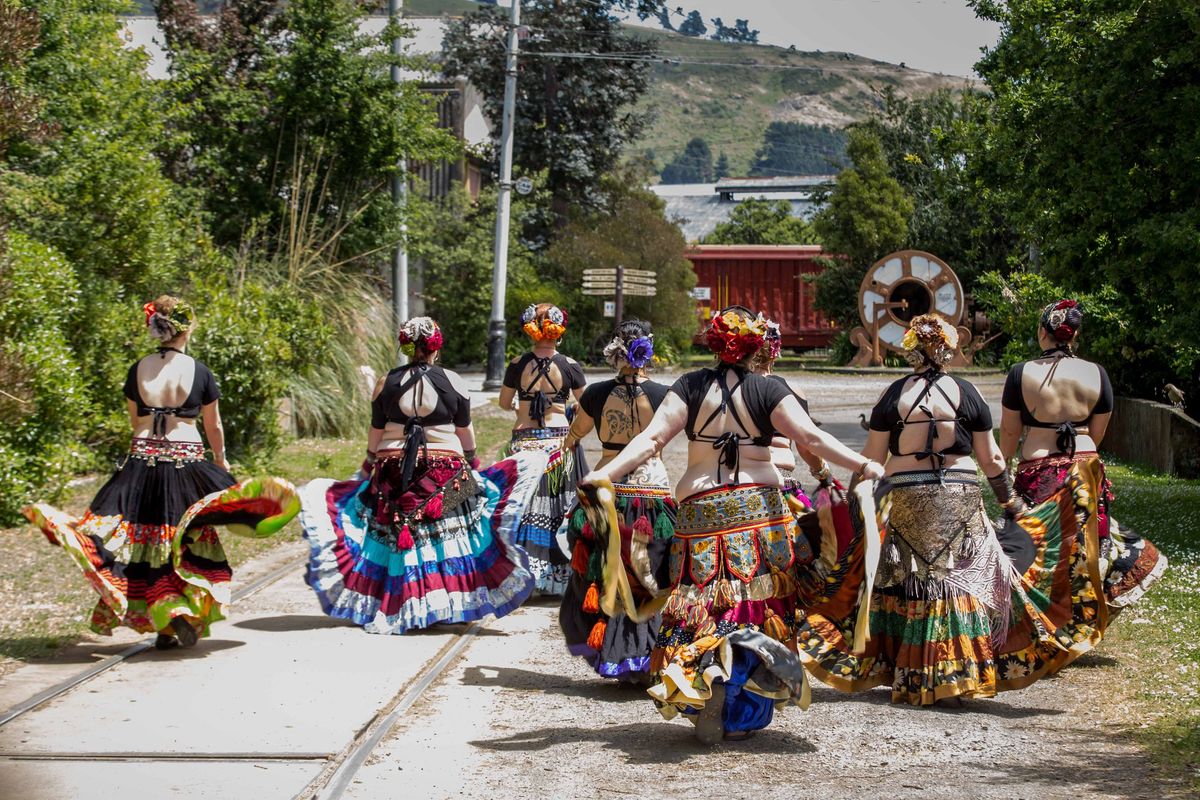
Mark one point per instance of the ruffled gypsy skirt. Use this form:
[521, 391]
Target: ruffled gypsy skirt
[950, 614]
[148, 543]
[731, 613]
[1128, 562]
[617, 645]
[392, 555]
[545, 517]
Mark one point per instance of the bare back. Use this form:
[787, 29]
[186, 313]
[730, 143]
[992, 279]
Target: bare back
[165, 381]
[420, 401]
[1056, 390]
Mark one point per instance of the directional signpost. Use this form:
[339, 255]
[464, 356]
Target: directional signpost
[618, 282]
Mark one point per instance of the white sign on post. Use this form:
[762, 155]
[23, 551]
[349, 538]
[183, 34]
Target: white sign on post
[610, 308]
[702, 293]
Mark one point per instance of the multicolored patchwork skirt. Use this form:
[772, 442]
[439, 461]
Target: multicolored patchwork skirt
[545, 516]
[950, 614]
[731, 613]
[617, 645]
[439, 549]
[147, 543]
[1129, 563]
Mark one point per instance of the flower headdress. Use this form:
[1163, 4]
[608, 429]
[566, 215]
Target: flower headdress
[420, 330]
[1062, 320]
[734, 336]
[166, 326]
[772, 342]
[551, 328]
[637, 352]
[929, 339]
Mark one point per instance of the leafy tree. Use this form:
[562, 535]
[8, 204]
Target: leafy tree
[1093, 132]
[740, 32]
[288, 113]
[664, 19]
[693, 25]
[932, 148]
[693, 165]
[453, 239]
[866, 217]
[633, 231]
[759, 221]
[722, 168]
[793, 148]
[573, 115]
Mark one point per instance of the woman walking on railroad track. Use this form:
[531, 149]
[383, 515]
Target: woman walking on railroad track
[420, 537]
[725, 653]
[617, 410]
[950, 615]
[1062, 405]
[147, 544]
[538, 385]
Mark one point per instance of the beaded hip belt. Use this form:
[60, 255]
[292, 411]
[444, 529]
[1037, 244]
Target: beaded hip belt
[539, 433]
[155, 450]
[634, 490]
[928, 477]
[733, 509]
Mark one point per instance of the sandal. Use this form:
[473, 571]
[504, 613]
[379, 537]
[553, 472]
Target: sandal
[184, 630]
[738, 736]
[165, 641]
[710, 727]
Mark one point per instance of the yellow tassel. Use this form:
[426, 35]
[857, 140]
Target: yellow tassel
[595, 639]
[774, 627]
[723, 598]
[591, 600]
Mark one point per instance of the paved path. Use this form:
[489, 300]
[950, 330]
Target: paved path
[256, 711]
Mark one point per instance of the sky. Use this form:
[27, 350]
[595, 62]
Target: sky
[933, 35]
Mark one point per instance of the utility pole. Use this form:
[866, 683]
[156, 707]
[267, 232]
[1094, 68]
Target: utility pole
[400, 198]
[496, 338]
[620, 298]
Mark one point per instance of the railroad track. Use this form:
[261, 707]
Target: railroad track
[340, 767]
[99, 668]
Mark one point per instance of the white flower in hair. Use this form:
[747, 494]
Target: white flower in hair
[614, 352]
[162, 328]
[555, 315]
[528, 315]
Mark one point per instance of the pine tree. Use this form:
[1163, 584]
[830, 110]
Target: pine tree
[722, 168]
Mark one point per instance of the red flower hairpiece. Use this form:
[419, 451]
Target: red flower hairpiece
[1064, 304]
[150, 311]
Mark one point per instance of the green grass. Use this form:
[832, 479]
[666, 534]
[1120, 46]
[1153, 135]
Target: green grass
[1157, 642]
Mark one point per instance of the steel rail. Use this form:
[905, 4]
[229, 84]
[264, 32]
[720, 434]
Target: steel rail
[100, 667]
[337, 777]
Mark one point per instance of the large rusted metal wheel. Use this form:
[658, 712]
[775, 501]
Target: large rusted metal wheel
[921, 280]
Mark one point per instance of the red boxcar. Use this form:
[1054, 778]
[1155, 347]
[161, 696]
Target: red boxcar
[766, 278]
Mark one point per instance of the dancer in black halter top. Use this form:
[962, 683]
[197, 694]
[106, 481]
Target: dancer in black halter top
[539, 385]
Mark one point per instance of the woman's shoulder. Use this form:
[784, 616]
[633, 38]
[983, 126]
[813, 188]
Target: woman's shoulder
[456, 381]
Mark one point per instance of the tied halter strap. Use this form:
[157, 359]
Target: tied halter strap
[1067, 431]
[416, 443]
[539, 401]
[931, 377]
[728, 444]
[159, 414]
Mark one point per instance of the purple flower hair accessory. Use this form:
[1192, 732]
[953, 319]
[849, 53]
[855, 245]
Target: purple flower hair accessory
[641, 350]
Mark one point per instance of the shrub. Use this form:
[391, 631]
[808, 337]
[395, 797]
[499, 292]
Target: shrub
[44, 403]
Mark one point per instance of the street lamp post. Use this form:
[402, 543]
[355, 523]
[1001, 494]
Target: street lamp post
[496, 338]
[400, 198]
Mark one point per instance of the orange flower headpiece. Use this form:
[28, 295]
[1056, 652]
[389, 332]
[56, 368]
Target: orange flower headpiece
[550, 328]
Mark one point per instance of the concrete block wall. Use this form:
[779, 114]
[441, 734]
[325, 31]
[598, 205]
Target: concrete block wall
[1155, 435]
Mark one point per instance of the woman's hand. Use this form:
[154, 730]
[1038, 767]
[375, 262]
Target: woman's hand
[871, 471]
[223, 463]
[592, 478]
